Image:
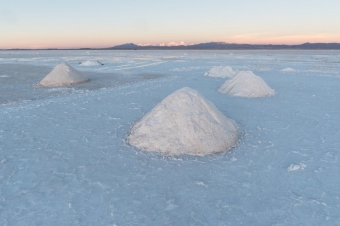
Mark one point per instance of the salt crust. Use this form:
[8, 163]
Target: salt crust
[184, 123]
[62, 75]
[220, 72]
[246, 84]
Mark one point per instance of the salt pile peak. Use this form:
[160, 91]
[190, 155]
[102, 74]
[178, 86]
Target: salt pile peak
[246, 84]
[221, 72]
[91, 63]
[62, 75]
[184, 123]
[288, 69]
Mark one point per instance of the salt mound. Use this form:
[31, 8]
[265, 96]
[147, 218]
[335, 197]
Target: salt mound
[246, 84]
[184, 123]
[91, 63]
[221, 72]
[62, 75]
[288, 69]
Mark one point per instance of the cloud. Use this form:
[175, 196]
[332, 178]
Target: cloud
[140, 44]
[181, 43]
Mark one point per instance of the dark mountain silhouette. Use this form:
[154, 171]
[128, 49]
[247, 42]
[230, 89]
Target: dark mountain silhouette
[231, 46]
[126, 46]
[216, 46]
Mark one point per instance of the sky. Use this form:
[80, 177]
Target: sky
[106, 23]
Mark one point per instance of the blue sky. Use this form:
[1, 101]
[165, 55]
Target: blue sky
[103, 23]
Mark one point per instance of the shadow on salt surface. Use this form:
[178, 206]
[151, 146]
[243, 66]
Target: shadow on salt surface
[60, 89]
[20, 82]
[104, 80]
[228, 156]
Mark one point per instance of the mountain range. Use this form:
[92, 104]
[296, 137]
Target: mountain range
[215, 46]
[231, 46]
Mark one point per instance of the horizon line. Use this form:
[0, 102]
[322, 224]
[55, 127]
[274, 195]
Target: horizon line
[162, 45]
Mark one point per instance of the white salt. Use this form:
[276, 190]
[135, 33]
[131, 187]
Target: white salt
[91, 63]
[221, 72]
[184, 123]
[62, 75]
[246, 84]
[288, 69]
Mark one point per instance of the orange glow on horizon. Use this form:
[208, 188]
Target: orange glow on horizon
[287, 40]
[104, 42]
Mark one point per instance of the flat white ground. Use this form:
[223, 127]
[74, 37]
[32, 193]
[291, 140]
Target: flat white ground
[64, 159]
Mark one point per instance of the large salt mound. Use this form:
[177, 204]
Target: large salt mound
[62, 75]
[246, 84]
[184, 123]
[221, 72]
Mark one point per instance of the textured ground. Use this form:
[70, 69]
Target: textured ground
[64, 159]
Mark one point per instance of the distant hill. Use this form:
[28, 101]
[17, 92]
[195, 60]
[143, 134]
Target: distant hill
[231, 46]
[126, 46]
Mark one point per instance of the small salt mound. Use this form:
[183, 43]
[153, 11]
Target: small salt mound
[288, 69]
[184, 123]
[91, 63]
[246, 84]
[221, 72]
[62, 75]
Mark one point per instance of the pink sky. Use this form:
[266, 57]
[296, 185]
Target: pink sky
[104, 23]
[94, 42]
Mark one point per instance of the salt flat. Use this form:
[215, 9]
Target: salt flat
[65, 160]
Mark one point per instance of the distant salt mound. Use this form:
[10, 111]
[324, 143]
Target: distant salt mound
[184, 123]
[288, 69]
[62, 75]
[220, 72]
[91, 63]
[246, 84]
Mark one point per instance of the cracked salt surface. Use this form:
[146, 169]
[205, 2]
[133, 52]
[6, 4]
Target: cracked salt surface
[64, 159]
